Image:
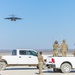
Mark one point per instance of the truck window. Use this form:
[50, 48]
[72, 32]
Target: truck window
[14, 52]
[22, 52]
[31, 53]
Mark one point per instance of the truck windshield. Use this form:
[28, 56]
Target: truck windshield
[14, 52]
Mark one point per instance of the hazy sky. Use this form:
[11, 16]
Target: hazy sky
[44, 21]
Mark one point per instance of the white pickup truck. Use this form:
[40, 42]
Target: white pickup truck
[64, 64]
[20, 57]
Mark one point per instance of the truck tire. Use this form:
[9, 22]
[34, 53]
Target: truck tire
[65, 67]
[2, 65]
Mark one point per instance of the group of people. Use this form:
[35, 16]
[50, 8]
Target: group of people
[63, 48]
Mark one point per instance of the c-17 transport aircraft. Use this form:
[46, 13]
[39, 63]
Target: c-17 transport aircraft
[13, 18]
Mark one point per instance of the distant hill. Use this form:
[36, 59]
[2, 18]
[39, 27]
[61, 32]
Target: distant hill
[45, 51]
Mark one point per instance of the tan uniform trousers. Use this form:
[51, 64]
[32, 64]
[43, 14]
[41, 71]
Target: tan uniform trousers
[0, 57]
[55, 53]
[40, 67]
[64, 53]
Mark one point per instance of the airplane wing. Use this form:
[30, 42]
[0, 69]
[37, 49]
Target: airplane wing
[8, 18]
[18, 18]
[13, 18]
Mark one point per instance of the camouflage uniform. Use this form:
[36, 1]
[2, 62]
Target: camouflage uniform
[40, 61]
[74, 53]
[64, 48]
[0, 62]
[55, 48]
[0, 57]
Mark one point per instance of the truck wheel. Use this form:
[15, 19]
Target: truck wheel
[2, 65]
[66, 68]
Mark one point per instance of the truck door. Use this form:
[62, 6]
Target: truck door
[27, 57]
[32, 57]
[23, 58]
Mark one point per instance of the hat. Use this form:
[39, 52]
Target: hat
[64, 40]
[56, 42]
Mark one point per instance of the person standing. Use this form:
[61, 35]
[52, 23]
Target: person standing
[74, 53]
[64, 48]
[55, 48]
[40, 63]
